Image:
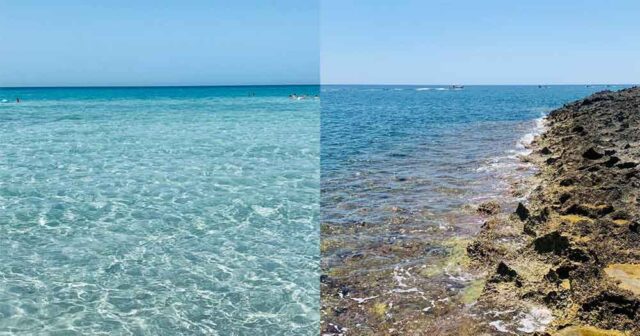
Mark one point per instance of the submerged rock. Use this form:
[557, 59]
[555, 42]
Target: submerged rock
[489, 208]
[472, 292]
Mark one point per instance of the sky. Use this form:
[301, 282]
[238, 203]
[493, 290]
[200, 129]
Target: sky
[159, 42]
[480, 42]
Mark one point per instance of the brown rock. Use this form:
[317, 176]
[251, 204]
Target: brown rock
[489, 208]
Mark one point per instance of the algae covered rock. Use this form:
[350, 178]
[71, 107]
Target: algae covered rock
[489, 208]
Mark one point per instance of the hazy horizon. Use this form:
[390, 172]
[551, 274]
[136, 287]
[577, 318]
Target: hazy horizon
[152, 86]
[320, 85]
[247, 43]
[144, 43]
[479, 84]
[493, 42]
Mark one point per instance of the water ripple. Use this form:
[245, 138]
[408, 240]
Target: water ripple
[161, 215]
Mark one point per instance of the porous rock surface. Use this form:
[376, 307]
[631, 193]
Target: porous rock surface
[575, 246]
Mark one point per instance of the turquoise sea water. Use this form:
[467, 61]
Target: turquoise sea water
[403, 169]
[159, 211]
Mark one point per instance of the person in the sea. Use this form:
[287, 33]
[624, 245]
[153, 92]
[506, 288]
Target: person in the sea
[17, 100]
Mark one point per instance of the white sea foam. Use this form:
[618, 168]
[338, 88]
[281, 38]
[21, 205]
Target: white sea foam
[511, 160]
[500, 163]
[263, 211]
[500, 326]
[432, 89]
[410, 290]
[525, 141]
[536, 320]
[363, 300]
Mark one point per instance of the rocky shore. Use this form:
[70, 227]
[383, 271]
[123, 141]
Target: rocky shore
[567, 262]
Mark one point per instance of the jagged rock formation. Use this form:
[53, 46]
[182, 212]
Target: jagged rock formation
[578, 250]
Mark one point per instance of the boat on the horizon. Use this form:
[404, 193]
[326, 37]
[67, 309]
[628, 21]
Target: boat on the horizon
[457, 87]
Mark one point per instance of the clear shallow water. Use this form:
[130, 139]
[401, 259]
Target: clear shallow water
[402, 171]
[159, 211]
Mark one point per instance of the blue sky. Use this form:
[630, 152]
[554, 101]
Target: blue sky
[480, 42]
[144, 42]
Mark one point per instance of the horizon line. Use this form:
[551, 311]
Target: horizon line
[151, 86]
[484, 84]
[306, 84]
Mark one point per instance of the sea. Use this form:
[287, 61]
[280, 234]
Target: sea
[403, 169]
[159, 211]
